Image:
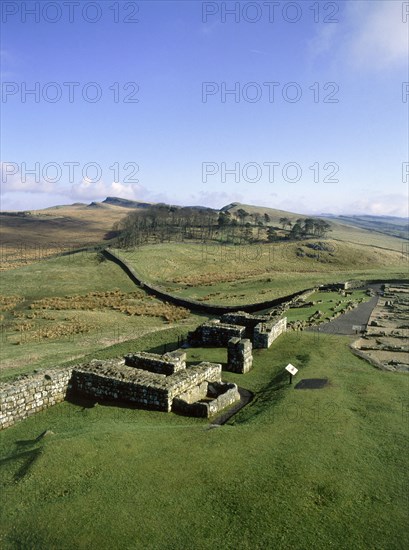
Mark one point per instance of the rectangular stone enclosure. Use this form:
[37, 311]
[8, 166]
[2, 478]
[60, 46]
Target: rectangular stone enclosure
[266, 333]
[143, 388]
[214, 333]
[169, 363]
[207, 399]
[217, 334]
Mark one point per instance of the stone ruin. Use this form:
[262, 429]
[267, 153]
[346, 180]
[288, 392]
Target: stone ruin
[145, 380]
[169, 363]
[155, 382]
[262, 330]
[265, 333]
[215, 334]
[385, 341]
[239, 355]
[246, 320]
[207, 399]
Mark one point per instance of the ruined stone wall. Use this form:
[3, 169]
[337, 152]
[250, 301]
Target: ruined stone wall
[244, 319]
[239, 355]
[143, 388]
[29, 395]
[219, 396]
[214, 333]
[266, 333]
[194, 394]
[225, 397]
[167, 364]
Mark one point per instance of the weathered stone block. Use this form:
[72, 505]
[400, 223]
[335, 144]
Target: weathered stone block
[239, 355]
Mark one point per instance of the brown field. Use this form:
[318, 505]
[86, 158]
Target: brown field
[44, 233]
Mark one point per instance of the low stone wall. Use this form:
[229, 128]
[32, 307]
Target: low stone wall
[266, 333]
[214, 333]
[345, 285]
[167, 364]
[143, 388]
[25, 397]
[194, 394]
[239, 355]
[244, 319]
[217, 397]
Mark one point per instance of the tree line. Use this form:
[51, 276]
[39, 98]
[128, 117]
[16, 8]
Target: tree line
[166, 223]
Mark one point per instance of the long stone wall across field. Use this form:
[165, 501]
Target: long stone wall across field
[194, 305]
[25, 397]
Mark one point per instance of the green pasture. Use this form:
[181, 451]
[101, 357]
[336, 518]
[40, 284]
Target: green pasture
[295, 469]
[242, 274]
[73, 275]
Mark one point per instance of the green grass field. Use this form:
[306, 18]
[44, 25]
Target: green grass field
[253, 273]
[33, 337]
[294, 469]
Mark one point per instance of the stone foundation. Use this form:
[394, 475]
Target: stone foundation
[214, 398]
[140, 387]
[265, 333]
[214, 333]
[167, 364]
[239, 355]
[245, 320]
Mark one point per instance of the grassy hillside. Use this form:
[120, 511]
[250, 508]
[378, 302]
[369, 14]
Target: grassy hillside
[295, 469]
[43, 233]
[389, 225]
[342, 228]
[242, 274]
[65, 307]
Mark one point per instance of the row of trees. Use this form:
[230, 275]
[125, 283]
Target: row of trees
[164, 223]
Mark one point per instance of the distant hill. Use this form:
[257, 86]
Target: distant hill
[274, 213]
[125, 203]
[80, 224]
[388, 225]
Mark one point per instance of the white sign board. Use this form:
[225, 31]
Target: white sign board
[291, 369]
[356, 327]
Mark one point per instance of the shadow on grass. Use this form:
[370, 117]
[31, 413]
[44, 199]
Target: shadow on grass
[83, 401]
[168, 346]
[271, 393]
[86, 403]
[29, 457]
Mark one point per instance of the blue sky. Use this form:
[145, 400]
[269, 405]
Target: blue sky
[318, 96]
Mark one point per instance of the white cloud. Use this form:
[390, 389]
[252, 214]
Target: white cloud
[323, 40]
[380, 205]
[369, 35]
[13, 180]
[381, 37]
[89, 190]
